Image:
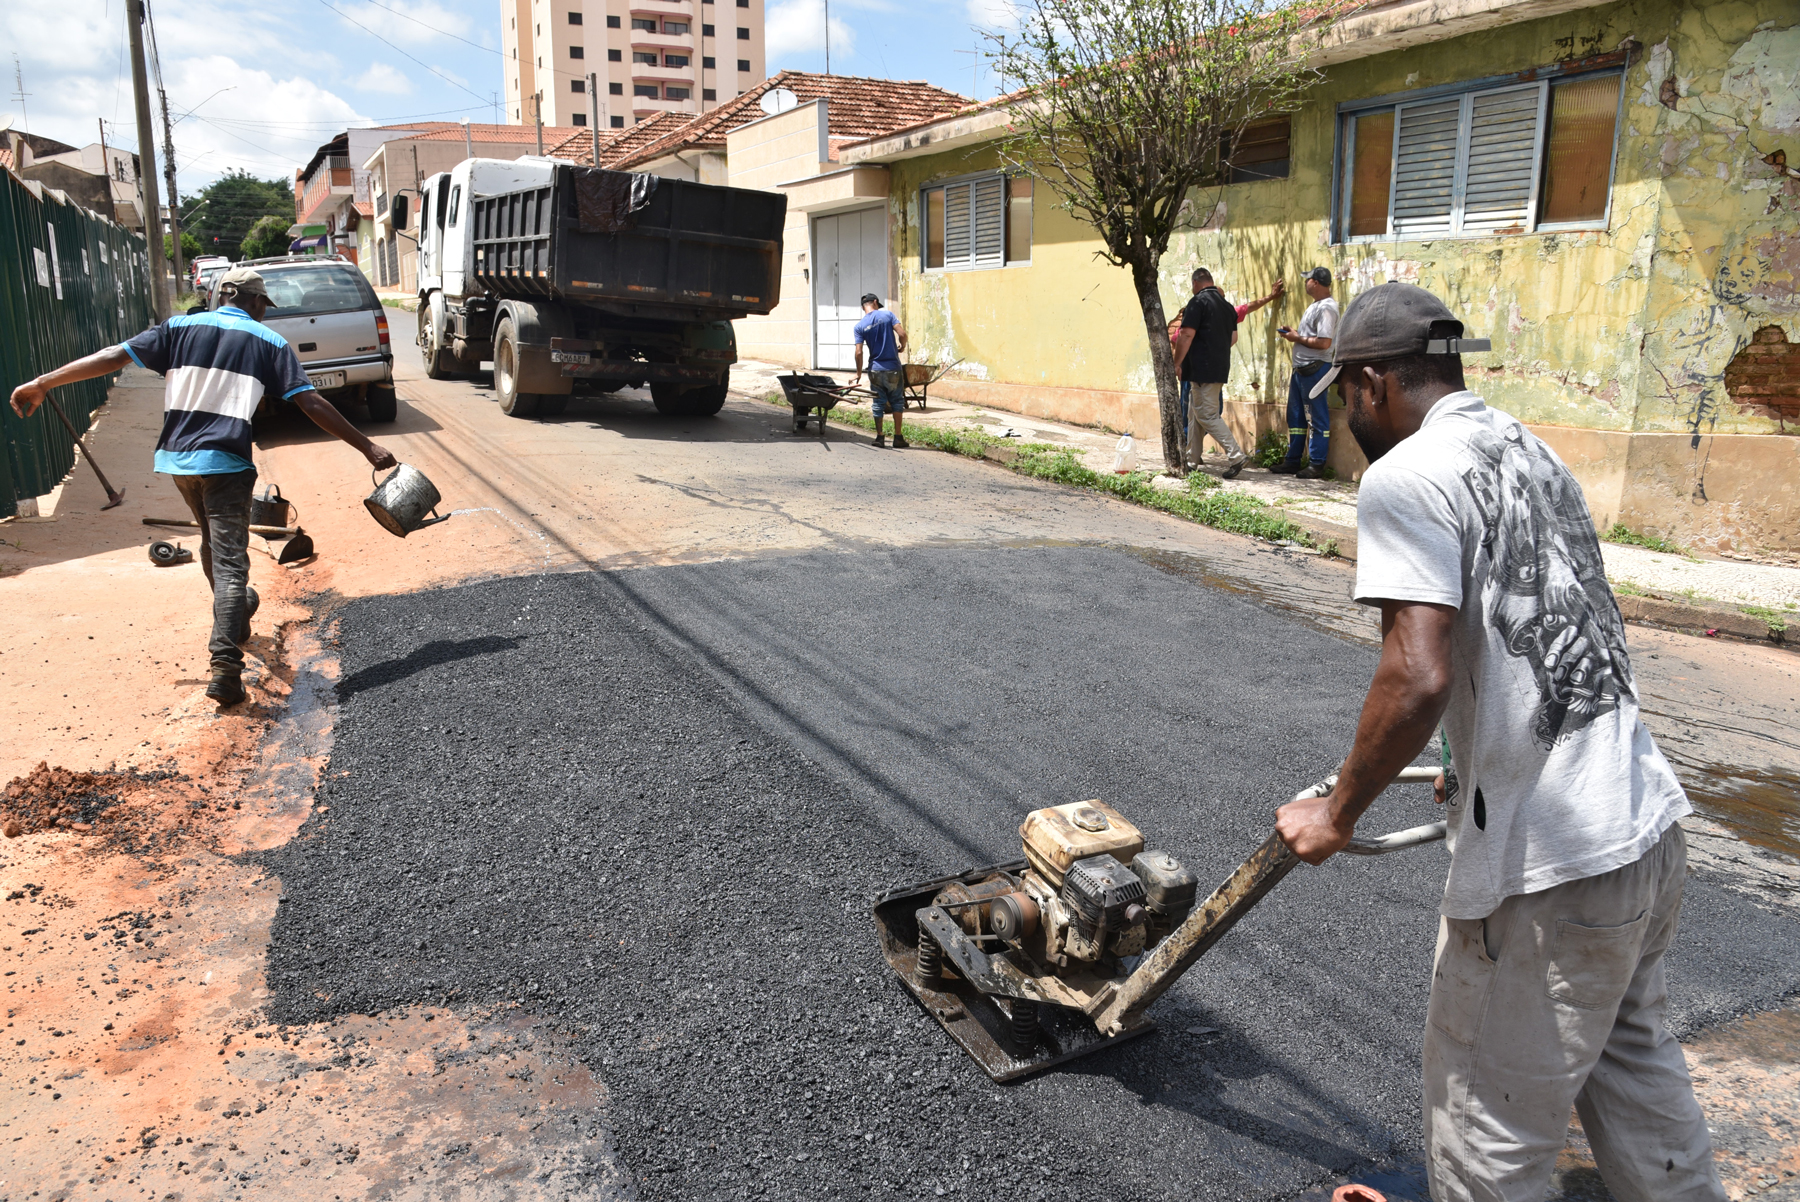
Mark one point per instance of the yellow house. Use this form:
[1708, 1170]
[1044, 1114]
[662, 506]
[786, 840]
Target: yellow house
[1628, 238]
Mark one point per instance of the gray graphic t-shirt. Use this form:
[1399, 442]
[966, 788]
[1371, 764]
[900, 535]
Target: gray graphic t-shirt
[1555, 778]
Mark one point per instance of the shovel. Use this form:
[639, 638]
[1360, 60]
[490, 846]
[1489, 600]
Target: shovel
[113, 495]
[298, 546]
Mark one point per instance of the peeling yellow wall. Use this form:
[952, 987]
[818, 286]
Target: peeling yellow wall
[1618, 337]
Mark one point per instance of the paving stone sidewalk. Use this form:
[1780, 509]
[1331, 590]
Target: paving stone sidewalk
[1333, 502]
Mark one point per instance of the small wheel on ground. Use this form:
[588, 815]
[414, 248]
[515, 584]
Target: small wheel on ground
[506, 374]
[383, 403]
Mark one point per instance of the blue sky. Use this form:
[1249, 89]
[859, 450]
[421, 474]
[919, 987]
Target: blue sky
[259, 86]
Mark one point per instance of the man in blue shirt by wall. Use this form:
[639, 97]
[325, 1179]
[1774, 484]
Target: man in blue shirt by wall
[885, 337]
[218, 366]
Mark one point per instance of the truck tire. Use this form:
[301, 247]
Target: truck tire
[506, 373]
[440, 364]
[383, 403]
[674, 401]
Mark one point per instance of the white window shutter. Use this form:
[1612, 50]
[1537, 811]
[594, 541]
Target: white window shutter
[1502, 163]
[958, 231]
[990, 221]
[1425, 168]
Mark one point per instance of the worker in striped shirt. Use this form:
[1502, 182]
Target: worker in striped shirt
[218, 365]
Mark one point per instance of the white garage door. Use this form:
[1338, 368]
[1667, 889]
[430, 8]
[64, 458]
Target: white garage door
[850, 257]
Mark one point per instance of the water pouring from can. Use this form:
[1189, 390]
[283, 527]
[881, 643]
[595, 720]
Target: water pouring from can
[402, 501]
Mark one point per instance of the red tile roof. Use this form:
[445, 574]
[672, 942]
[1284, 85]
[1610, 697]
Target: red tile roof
[452, 132]
[618, 145]
[860, 108]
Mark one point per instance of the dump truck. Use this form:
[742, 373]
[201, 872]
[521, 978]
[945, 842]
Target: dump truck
[579, 280]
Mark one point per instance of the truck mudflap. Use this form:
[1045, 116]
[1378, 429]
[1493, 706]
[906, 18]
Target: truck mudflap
[577, 358]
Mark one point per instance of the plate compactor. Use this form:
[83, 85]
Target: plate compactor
[1039, 961]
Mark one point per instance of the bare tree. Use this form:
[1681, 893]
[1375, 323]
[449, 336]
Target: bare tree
[1128, 110]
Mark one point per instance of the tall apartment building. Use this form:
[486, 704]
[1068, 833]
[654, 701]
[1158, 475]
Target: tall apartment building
[650, 56]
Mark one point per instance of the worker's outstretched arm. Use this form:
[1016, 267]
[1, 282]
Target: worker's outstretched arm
[28, 396]
[1405, 703]
[325, 415]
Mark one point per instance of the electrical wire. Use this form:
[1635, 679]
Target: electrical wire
[447, 79]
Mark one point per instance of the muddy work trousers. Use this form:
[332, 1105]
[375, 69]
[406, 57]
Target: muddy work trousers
[1557, 999]
[1204, 406]
[221, 504]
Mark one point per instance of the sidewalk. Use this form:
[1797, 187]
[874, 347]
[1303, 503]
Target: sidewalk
[1329, 506]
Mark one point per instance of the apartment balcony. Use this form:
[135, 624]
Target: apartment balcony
[643, 106]
[678, 9]
[332, 179]
[679, 76]
[680, 43]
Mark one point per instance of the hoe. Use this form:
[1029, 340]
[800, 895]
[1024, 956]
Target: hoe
[1058, 955]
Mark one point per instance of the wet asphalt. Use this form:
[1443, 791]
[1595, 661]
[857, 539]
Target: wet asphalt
[652, 806]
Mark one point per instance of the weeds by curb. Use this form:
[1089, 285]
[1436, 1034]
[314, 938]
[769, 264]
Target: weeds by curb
[1203, 501]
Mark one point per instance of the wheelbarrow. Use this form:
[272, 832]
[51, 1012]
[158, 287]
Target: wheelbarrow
[811, 397]
[1033, 963]
[919, 378]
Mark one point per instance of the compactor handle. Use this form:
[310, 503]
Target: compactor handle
[1381, 845]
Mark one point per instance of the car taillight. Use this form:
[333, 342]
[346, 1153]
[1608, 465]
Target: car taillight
[381, 330]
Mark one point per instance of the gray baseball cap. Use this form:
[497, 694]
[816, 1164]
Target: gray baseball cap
[1393, 321]
[243, 281]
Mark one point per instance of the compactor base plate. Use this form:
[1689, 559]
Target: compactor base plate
[979, 1022]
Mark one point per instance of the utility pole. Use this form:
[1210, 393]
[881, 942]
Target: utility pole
[827, 40]
[146, 137]
[594, 112]
[537, 109]
[174, 195]
[106, 170]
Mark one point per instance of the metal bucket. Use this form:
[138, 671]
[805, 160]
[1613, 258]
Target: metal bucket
[270, 508]
[401, 502]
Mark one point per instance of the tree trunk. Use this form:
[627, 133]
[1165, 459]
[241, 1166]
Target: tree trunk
[1162, 362]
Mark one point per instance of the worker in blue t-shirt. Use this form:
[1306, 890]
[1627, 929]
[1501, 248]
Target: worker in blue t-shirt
[885, 337]
[219, 366]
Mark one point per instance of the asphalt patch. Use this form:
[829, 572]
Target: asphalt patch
[653, 806]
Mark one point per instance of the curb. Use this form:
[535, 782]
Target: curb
[1706, 620]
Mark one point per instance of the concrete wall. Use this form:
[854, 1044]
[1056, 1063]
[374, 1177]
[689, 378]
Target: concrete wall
[1612, 343]
[764, 154]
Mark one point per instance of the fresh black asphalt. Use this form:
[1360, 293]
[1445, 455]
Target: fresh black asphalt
[652, 806]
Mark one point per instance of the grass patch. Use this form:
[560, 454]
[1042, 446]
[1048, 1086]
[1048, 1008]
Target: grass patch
[1777, 621]
[1621, 533]
[1628, 588]
[1271, 448]
[1203, 500]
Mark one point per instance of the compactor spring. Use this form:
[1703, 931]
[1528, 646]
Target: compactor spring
[931, 958]
[1024, 1026]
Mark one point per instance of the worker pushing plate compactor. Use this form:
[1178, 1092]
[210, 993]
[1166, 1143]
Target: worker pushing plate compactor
[1039, 961]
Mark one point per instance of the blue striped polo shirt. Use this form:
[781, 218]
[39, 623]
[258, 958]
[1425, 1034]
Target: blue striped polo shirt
[218, 366]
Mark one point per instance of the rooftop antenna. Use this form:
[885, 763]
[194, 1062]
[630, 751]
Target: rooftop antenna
[19, 94]
[828, 37]
[974, 71]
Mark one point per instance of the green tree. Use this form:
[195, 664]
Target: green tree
[268, 237]
[190, 246]
[1128, 112]
[223, 212]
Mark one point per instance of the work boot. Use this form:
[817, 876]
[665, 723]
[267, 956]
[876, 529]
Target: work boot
[226, 688]
[880, 441]
[900, 444]
[1284, 468]
[1311, 471]
[1231, 472]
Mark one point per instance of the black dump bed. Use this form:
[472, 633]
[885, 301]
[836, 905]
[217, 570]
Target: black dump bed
[634, 243]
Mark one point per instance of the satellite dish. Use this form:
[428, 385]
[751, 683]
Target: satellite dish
[6, 120]
[778, 100]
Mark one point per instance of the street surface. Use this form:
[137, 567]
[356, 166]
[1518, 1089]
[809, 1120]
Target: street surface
[542, 866]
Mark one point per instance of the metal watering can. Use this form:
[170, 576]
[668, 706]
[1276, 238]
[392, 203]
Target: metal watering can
[401, 502]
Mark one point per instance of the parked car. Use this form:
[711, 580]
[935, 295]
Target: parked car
[200, 264]
[332, 318]
[206, 277]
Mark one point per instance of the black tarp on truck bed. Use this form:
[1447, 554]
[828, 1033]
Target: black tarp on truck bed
[686, 247]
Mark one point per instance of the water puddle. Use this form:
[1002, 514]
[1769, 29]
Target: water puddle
[1761, 808]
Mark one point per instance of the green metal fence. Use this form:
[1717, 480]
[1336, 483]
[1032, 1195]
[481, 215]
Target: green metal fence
[71, 283]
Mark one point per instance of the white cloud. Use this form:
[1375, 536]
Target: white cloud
[413, 25]
[993, 14]
[798, 27]
[383, 78]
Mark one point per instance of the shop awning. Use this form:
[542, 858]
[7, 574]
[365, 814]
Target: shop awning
[300, 244]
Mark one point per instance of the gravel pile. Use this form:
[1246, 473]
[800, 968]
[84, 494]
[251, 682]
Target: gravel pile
[652, 808]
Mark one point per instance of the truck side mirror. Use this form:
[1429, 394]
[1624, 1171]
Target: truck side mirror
[399, 210]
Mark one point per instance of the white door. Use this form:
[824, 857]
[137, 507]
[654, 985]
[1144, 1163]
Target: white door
[850, 258]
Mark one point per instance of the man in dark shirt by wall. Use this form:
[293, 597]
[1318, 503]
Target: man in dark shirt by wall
[1208, 332]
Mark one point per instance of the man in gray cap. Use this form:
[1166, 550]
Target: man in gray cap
[1567, 861]
[218, 365]
[1312, 353]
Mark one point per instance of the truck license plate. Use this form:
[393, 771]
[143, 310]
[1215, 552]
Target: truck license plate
[327, 379]
[570, 357]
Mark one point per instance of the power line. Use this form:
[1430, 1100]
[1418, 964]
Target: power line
[397, 50]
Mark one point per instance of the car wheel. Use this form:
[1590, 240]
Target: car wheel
[383, 403]
[506, 373]
[440, 364]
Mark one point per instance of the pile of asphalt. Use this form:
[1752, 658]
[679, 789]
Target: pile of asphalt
[653, 806]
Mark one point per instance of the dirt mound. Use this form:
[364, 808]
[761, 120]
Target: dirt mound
[49, 797]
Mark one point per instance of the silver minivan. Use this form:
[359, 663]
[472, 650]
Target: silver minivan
[332, 318]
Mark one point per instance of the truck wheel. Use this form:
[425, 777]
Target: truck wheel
[674, 401]
[440, 364]
[506, 374]
[383, 403]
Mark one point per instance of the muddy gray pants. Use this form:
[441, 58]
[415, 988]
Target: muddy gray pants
[1206, 415]
[1557, 999]
[221, 504]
